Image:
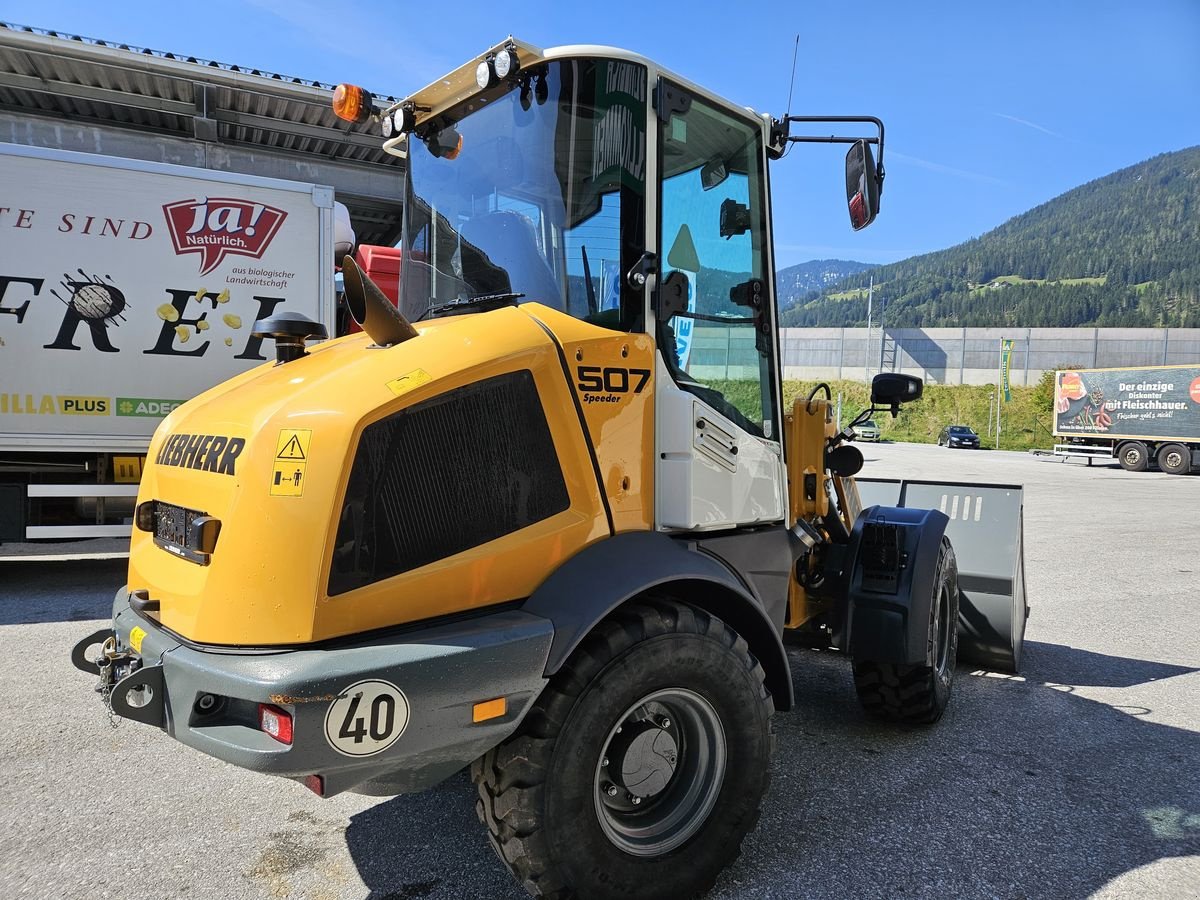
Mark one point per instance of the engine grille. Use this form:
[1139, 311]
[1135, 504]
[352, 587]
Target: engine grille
[446, 475]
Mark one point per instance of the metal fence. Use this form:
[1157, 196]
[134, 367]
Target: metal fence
[941, 355]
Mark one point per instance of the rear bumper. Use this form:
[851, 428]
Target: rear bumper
[435, 675]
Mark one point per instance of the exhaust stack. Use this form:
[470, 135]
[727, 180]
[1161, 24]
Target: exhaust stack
[373, 312]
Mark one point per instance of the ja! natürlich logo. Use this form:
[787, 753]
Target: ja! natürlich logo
[219, 226]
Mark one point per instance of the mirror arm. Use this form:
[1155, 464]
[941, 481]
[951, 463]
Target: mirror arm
[781, 135]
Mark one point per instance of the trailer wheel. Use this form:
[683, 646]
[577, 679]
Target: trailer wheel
[641, 767]
[1175, 459]
[918, 694]
[1134, 456]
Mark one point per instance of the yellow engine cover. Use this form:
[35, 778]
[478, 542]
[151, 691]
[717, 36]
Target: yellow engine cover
[269, 455]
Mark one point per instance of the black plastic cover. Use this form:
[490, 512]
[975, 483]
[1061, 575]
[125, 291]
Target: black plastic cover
[445, 475]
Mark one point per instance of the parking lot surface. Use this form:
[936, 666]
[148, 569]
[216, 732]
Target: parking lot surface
[1080, 777]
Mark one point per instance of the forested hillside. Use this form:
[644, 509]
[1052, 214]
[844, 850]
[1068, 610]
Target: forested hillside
[1123, 250]
[800, 280]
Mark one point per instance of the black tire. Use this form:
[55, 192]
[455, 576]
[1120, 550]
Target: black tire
[1175, 459]
[544, 793]
[918, 694]
[1133, 456]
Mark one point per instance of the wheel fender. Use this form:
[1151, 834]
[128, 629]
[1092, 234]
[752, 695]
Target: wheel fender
[891, 566]
[600, 578]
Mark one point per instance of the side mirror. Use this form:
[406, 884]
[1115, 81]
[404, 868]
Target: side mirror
[890, 389]
[862, 185]
[343, 233]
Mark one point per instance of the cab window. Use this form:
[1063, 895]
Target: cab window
[713, 304]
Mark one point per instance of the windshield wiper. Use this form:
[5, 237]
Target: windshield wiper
[464, 304]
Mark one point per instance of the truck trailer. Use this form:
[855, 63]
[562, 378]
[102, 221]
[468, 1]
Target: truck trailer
[1137, 416]
[513, 527]
[126, 288]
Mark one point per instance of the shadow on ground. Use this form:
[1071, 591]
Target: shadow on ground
[1024, 789]
[32, 592]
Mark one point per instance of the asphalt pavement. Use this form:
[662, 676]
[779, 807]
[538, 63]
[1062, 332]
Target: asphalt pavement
[1078, 778]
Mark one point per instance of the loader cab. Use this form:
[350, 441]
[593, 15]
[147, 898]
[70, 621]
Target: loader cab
[593, 183]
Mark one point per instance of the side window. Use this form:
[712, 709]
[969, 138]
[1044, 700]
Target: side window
[713, 301]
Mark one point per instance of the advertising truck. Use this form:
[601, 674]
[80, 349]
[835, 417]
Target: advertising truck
[126, 288]
[1138, 416]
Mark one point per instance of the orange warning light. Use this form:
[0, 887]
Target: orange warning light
[352, 103]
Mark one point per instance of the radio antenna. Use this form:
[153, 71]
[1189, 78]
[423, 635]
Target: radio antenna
[792, 86]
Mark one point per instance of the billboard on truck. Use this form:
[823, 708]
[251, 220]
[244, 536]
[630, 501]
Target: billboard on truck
[1149, 403]
[129, 287]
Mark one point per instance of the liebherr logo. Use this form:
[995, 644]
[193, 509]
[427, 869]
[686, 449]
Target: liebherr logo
[215, 227]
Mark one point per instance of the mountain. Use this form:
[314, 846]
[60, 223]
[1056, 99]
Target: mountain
[1123, 250]
[795, 282]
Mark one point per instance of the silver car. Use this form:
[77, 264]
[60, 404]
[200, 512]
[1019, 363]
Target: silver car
[867, 431]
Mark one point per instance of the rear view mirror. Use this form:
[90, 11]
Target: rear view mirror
[714, 173]
[890, 389]
[862, 185]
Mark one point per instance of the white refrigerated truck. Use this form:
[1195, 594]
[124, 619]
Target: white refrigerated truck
[127, 287]
[1138, 416]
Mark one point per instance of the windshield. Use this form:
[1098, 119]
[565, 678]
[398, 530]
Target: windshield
[960, 429]
[534, 188]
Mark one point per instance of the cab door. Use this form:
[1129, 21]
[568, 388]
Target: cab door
[720, 461]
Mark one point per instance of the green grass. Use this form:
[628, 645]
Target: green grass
[1017, 279]
[856, 294]
[1023, 426]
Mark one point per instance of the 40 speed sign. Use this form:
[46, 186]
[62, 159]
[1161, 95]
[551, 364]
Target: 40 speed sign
[368, 717]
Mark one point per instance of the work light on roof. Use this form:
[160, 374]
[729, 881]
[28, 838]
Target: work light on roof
[398, 121]
[505, 63]
[497, 68]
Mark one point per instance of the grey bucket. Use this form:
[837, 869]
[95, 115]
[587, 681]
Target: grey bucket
[986, 530]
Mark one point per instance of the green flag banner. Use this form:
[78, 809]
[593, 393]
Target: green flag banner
[1005, 363]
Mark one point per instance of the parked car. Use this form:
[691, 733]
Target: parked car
[867, 431]
[962, 436]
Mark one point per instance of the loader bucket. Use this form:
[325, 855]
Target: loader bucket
[987, 530]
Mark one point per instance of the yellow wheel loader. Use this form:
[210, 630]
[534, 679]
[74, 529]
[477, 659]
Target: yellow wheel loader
[547, 517]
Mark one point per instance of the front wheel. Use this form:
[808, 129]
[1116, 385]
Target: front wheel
[641, 767]
[1175, 459]
[918, 694]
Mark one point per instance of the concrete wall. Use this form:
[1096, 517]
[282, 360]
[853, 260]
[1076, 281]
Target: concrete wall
[972, 355]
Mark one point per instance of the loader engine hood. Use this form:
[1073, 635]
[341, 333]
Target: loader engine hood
[353, 488]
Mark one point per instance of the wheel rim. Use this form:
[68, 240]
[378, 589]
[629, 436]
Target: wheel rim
[941, 626]
[1133, 456]
[660, 772]
[1174, 459]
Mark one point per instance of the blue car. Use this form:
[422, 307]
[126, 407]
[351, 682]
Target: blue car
[962, 436]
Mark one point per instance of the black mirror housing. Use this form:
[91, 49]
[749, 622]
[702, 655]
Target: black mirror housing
[890, 389]
[862, 185]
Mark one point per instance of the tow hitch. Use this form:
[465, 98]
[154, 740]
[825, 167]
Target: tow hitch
[130, 689]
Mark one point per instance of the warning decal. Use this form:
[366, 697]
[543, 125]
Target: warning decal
[409, 382]
[291, 461]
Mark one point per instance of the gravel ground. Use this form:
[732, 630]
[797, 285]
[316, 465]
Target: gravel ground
[1079, 778]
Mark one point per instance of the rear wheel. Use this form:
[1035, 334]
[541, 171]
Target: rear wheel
[641, 767]
[1133, 456]
[918, 694]
[1175, 459]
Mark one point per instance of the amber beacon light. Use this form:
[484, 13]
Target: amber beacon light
[352, 103]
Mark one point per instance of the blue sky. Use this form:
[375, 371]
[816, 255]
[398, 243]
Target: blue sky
[990, 108]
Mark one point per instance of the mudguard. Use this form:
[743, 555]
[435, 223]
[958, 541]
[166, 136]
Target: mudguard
[888, 574]
[987, 531]
[594, 582]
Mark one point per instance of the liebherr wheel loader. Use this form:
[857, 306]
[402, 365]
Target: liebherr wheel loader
[547, 517]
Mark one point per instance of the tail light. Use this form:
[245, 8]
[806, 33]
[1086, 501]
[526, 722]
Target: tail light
[275, 722]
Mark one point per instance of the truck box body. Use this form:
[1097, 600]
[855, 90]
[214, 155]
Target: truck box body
[1156, 403]
[126, 288]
